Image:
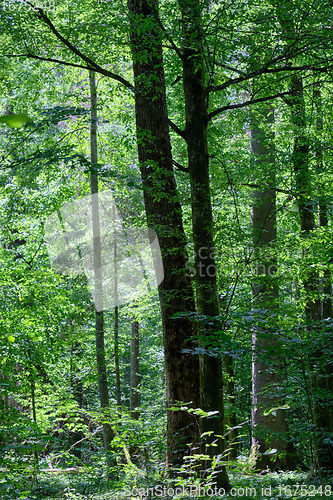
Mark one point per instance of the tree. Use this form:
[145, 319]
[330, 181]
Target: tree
[116, 312]
[134, 374]
[268, 416]
[103, 390]
[219, 45]
[164, 216]
[324, 379]
[304, 193]
[211, 380]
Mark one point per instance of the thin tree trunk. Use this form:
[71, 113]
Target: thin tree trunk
[134, 376]
[103, 391]
[116, 356]
[311, 280]
[211, 379]
[164, 216]
[231, 415]
[267, 368]
[322, 205]
[116, 315]
[33, 399]
[324, 410]
[77, 390]
[33, 407]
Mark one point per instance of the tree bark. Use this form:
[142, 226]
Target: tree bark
[231, 415]
[164, 216]
[267, 368]
[322, 199]
[211, 379]
[77, 391]
[116, 315]
[103, 391]
[134, 376]
[311, 279]
[324, 409]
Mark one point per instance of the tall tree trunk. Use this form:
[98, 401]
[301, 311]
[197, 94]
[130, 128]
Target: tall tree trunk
[231, 415]
[311, 280]
[164, 216]
[211, 380]
[134, 376]
[77, 391]
[103, 391]
[266, 366]
[33, 407]
[324, 410]
[116, 314]
[322, 199]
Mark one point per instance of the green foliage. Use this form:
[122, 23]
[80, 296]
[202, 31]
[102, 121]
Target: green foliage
[15, 121]
[48, 362]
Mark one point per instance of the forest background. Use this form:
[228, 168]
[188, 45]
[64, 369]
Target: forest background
[210, 124]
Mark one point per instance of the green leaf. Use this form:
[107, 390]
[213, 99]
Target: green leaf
[270, 452]
[11, 338]
[210, 413]
[15, 121]
[207, 433]
[274, 410]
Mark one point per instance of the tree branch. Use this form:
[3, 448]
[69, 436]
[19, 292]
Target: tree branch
[179, 166]
[262, 188]
[49, 59]
[244, 104]
[168, 37]
[93, 66]
[266, 71]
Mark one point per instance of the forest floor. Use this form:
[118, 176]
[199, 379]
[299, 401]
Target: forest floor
[272, 486]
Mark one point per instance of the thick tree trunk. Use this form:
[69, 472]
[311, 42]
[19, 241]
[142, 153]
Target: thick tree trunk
[211, 380]
[134, 376]
[103, 391]
[266, 367]
[164, 216]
